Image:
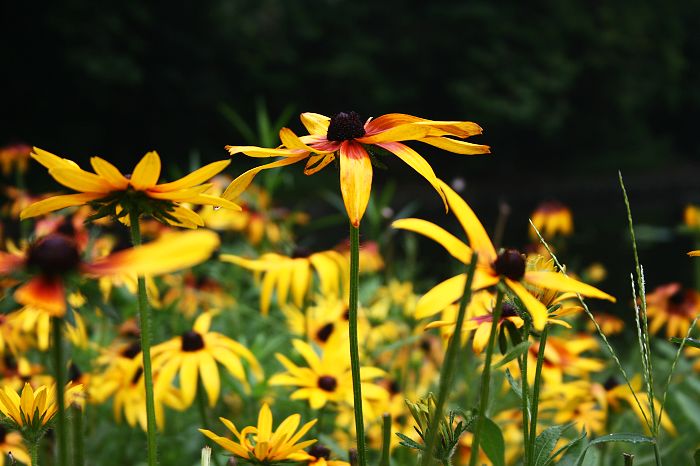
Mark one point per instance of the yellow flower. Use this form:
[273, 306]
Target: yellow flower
[295, 274]
[14, 157]
[194, 355]
[34, 408]
[11, 443]
[320, 456]
[327, 378]
[673, 306]
[507, 266]
[347, 136]
[264, 445]
[691, 216]
[608, 323]
[575, 401]
[108, 187]
[551, 219]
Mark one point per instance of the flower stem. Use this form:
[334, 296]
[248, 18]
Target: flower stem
[447, 370]
[354, 350]
[486, 379]
[202, 406]
[525, 392]
[33, 448]
[60, 375]
[386, 439]
[536, 389]
[78, 441]
[145, 320]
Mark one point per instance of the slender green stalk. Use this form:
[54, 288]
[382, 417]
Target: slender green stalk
[78, 440]
[448, 366]
[525, 391]
[629, 459]
[536, 389]
[354, 350]
[202, 407]
[60, 375]
[486, 379]
[33, 448]
[386, 439]
[145, 320]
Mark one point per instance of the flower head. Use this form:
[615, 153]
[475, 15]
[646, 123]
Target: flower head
[33, 408]
[352, 140]
[552, 218]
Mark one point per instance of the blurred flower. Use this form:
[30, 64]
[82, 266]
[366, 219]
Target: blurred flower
[320, 456]
[595, 273]
[295, 273]
[576, 401]
[673, 306]
[609, 324]
[691, 216]
[194, 355]
[11, 444]
[370, 257]
[117, 194]
[346, 135]
[263, 445]
[552, 218]
[14, 157]
[192, 293]
[507, 266]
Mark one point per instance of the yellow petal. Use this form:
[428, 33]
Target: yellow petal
[207, 199]
[308, 354]
[292, 141]
[316, 163]
[186, 217]
[560, 282]
[147, 172]
[167, 254]
[253, 151]
[196, 177]
[188, 377]
[58, 202]
[398, 133]
[264, 423]
[441, 296]
[417, 162]
[537, 310]
[209, 372]
[694, 253]
[355, 179]
[109, 172]
[456, 146]
[52, 161]
[239, 185]
[315, 123]
[301, 276]
[80, 180]
[478, 238]
[451, 243]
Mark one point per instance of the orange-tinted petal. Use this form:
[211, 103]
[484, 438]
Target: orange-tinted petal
[355, 179]
[44, 293]
[315, 123]
[317, 162]
[147, 172]
[254, 151]
[398, 133]
[456, 146]
[451, 243]
[694, 253]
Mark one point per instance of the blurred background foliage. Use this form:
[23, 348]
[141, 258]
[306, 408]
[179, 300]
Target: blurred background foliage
[568, 93]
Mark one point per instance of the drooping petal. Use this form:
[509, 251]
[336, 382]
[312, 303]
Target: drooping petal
[355, 180]
[44, 293]
[292, 141]
[315, 123]
[254, 151]
[208, 199]
[198, 176]
[447, 240]
[301, 277]
[186, 217]
[80, 180]
[417, 162]
[189, 370]
[437, 128]
[694, 253]
[52, 161]
[146, 172]
[537, 310]
[239, 185]
[317, 162]
[449, 291]
[456, 146]
[109, 172]
[58, 202]
[169, 253]
[560, 282]
[478, 238]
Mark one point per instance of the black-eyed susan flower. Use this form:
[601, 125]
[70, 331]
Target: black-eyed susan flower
[327, 378]
[609, 324]
[577, 402]
[673, 306]
[294, 273]
[507, 266]
[321, 456]
[345, 135]
[552, 218]
[33, 409]
[261, 444]
[116, 194]
[50, 260]
[194, 356]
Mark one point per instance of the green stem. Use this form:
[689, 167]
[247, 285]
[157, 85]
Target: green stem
[78, 440]
[33, 452]
[525, 391]
[204, 418]
[145, 320]
[657, 454]
[354, 350]
[629, 459]
[536, 389]
[60, 375]
[447, 370]
[486, 379]
[386, 439]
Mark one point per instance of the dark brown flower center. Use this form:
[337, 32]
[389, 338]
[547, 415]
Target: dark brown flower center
[327, 383]
[508, 310]
[74, 373]
[192, 341]
[3, 434]
[345, 126]
[319, 451]
[677, 298]
[137, 376]
[300, 252]
[610, 383]
[511, 264]
[132, 350]
[54, 255]
[324, 333]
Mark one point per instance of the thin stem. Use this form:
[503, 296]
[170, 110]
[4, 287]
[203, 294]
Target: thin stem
[78, 440]
[448, 366]
[202, 407]
[536, 388]
[525, 392]
[145, 320]
[33, 448]
[386, 439]
[60, 375]
[354, 349]
[486, 379]
[657, 454]
[629, 459]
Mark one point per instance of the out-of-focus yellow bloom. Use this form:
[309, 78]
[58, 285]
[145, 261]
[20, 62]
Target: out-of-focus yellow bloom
[508, 266]
[673, 306]
[371, 259]
[16, 371]
[295, 273]
[327, 378]
[691, 216]
[552, 218]
[108, 186]
[193, 293]
[322, 318]
[262, 444]
[34, 408]
[194, 356]
[14, 157]
[595, 273]
[11, 443]
[320, 456]
[575, 401]
[608, 323]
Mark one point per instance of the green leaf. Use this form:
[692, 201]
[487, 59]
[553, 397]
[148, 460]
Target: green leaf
[514, 352]
[492, 442]
[409, 443]
[545, 443]
[694, 342]
[624, 437]
[696, 457]
[514, 384]
[571, 446]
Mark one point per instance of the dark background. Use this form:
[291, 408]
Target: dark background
[568, 94]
